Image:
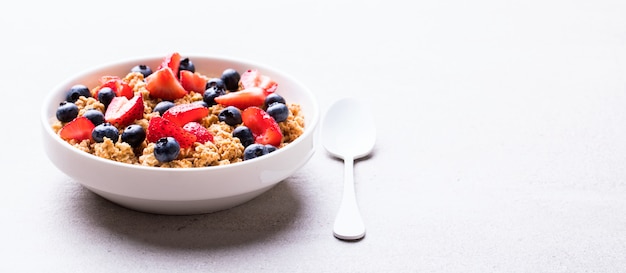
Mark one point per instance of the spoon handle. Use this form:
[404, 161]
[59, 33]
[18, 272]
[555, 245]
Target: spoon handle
[348, 223]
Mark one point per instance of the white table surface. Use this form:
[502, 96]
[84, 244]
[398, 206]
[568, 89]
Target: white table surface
[501, 137]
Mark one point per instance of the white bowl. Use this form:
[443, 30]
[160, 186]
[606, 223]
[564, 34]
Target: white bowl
[179, 191]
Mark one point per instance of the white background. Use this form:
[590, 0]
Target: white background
[501, 137]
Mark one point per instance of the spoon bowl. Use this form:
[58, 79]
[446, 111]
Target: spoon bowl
[348, 132]
[348, 129]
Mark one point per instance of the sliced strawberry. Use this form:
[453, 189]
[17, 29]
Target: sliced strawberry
[122, 111]
[268, 84]
[192, 81]
[249, 78]
[253, 78]
[181, 114]
[264, 128]
[172, 61]
[78, 129]
[119, 86]
[253, 96]
[163, 84]
[159, 127]
[202, 133]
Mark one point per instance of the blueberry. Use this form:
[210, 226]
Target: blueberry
[278, 111]
[230, 115]
[76, 91]
[106, 95]
[95, 116]
[217, 82]
[274, 98]
[254, 150]
[134, 135]
[67, 111]
[166, 149]
[231, 79]
[143, 69]
[211, 93]
[162, 106]
[186, 64]
[105, 130]
[270, 148]
[244, 134]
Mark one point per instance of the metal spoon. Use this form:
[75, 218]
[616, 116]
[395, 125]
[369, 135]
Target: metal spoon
[348, 132]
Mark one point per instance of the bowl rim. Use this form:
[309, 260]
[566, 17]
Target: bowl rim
[45, 118]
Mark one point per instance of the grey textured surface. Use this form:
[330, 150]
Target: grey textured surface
[501, 146]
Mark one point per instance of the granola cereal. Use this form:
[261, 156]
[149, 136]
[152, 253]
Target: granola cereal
[222, 150]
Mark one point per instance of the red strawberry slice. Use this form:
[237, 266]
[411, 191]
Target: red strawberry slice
[264, 128]
[163, 84]
[249, 78]
[78, 129]
[252, 96]
[253, 78]
[202, 133]
[122, 111]
[181, 114]
[268, 84]
[172, 61]
[119, 86]
[159, 127]
[192, 81]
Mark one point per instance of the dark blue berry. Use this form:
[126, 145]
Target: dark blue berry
[254, 150]
[106, 95]
[231, 79]
[67, 111]
[105, 130]
[162, 106]
[278, 111]
[134, 135]
[273, 98]
[270, 148]
[244, 134]
[76, 92]
[95, 116]
[166, 149]
[230, 115]
[186, 64]
[143, 69]
[211, 93]
[217, 82]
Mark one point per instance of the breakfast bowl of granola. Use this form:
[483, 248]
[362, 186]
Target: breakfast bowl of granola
[179, 134]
